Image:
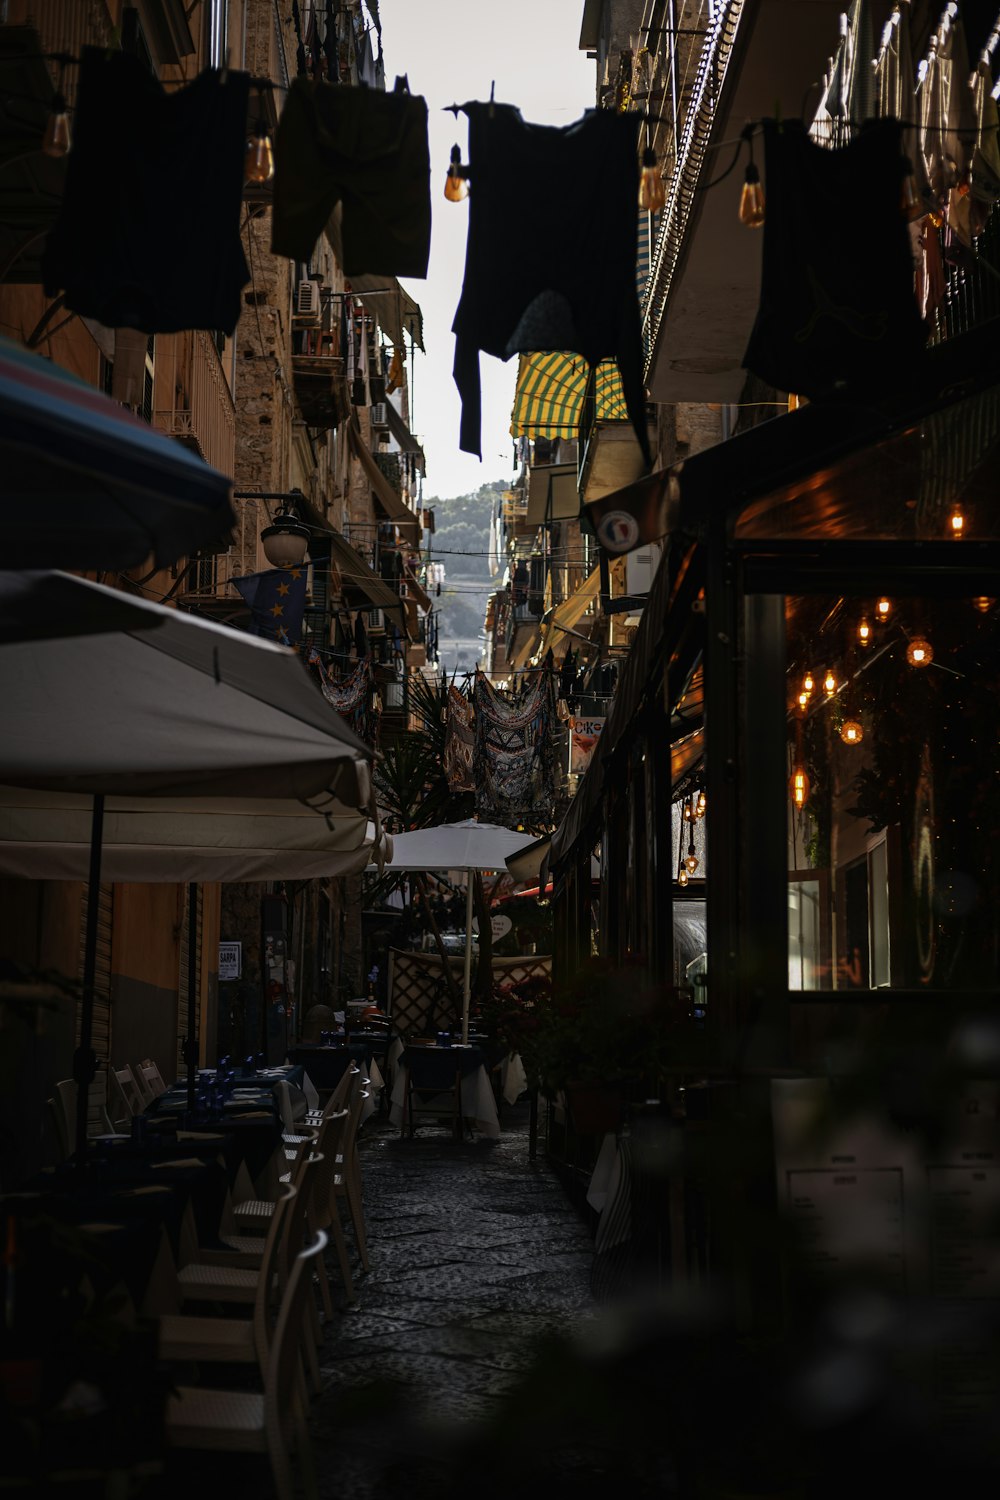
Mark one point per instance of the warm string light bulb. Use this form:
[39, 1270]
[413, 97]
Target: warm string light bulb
[258, 162]
[851, 732]
[456, 186]
[829, 684]
[920, 652]
[699, 811]
[652, 192]
[682, 875]
[956, 521]
[883, 609]
[983, 603]
[56, 137]
[798, 786]
[807, 683]
[752, 197]
[864, 632]
[803, 702]
[692, 860]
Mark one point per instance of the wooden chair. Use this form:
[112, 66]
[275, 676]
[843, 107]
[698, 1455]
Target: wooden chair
[324, 1213]
[152, 1076]
[64, 1114]
[273, 1422]
[129, 1090]
[347, 1181]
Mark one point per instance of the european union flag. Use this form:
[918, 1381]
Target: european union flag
[277, 601]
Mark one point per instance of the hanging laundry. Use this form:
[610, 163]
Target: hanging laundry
[829, 316]
[459, 742]
[514, 759]
[148, 233]
[570, 286]
[277, 601]
[355, 697]
[363, 148]
[361, 645]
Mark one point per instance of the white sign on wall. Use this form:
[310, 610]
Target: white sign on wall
[230, 960]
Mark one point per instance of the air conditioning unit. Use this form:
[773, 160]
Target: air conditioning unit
[308, 301]
[377, 414]
[376, 621]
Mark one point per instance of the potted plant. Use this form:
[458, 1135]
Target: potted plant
[601, 1039]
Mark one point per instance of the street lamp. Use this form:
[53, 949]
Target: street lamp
[286, 539]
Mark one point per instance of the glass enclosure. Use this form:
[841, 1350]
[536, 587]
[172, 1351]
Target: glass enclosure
[893, 793]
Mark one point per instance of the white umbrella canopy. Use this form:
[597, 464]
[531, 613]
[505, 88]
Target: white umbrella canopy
[46, 836]
[467, 845]
[161, 703]
[109, 695]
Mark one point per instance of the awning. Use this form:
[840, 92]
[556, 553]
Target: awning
[390, 503]
[527, 634]
[415, 590]
[394, 310]
[403, 436]
[46, 836]
[358, 577]
[568, 614]
[553, 494]
[549, 397]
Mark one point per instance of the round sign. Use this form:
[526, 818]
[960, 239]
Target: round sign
[618, 530]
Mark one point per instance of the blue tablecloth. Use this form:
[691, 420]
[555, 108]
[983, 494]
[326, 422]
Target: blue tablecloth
[326, 1065]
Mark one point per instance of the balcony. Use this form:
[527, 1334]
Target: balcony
[320, 384]
[202, 416]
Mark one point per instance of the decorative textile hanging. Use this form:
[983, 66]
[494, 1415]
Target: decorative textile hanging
[514, 759]
[459, 742]
[354, 696]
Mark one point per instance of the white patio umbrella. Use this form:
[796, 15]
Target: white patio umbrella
[467, 846]
[109, 695]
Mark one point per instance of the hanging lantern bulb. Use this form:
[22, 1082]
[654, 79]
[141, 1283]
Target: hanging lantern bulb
[807, 683]
[686, 811]
[56, 138]
[700, 808]
[752, 198]
[829, 684]
[956, 521]
[258, 161]
[692, 861]
[456, 185]
[883, 610]
[682, 875]
[803, 702]
[798, 786]
[864, 632]
[851, 732]
[983, 604]
[652, 193]
[920, 652]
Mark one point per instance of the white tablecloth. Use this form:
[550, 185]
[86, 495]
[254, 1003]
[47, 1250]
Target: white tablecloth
[478, 1103]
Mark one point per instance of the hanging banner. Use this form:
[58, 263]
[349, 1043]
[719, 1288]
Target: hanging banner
[583, 737]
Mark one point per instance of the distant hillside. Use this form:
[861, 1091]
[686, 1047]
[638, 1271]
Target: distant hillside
[461, 542]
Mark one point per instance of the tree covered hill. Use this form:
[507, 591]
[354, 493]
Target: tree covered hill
[461, 542]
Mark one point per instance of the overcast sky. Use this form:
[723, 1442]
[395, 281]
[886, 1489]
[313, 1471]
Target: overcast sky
[452, 50]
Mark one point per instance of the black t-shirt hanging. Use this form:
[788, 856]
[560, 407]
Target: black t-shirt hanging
[148, 235]
[565, 280]
[837, 306]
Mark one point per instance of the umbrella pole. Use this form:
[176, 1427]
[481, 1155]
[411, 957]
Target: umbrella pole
[191, 1040]
[467, 977]
[85, 1059]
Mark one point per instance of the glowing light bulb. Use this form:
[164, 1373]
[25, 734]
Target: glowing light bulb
[920, 652]
[652, 193]
[752, 199]
[956, 521]
[798, 786]
[686, 811]
[829, 684]
[691, 863]
[56, 138]
[851, 732]
[456, 186]
[984, 604]
[807, 683]
[700, 809]
[803, 701]
[682, 876]
[883, 610]
[258, 162]
[864, 633]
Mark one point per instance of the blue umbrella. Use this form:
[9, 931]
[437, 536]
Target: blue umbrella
[88, 485]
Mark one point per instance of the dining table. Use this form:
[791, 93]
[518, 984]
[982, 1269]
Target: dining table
[433, 1070]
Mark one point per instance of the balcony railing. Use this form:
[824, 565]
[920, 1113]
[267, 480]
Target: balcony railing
[202, 415]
